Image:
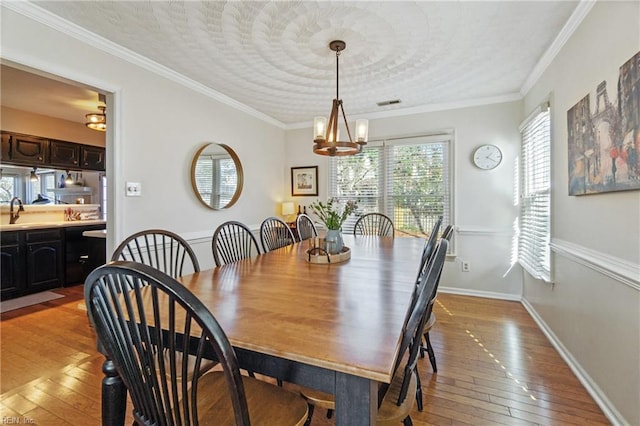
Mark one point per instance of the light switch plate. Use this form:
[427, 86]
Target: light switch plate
[134, 189]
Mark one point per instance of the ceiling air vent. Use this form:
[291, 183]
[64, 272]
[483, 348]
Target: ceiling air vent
[385, 103]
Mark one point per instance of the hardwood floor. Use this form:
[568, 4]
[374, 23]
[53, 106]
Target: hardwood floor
[494, 367]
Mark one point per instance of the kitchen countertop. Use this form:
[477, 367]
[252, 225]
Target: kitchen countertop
[42, 225]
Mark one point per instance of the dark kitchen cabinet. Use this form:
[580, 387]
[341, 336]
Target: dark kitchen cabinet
[12, 267]
[4, 152]
[26, 150]
[64, 154]
[32, 261]
[92, 158]
[45, 259]
[34, 151]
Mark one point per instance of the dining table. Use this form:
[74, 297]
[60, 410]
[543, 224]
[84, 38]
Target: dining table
[334, 327]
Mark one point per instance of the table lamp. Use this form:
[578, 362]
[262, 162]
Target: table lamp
[287, 211]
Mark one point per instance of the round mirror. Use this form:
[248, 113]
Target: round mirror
[216, 176]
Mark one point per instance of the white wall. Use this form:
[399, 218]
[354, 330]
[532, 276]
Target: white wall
[593, 310]
[157, 126]
[484, 200]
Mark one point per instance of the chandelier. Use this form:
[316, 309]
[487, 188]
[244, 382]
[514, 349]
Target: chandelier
[98, 120]
[326, 136]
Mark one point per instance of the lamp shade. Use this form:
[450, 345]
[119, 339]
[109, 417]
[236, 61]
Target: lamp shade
[319, 128]
[362, 130]
[287, 208]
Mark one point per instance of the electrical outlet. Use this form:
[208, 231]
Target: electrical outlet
[134, 189]
[465, 266]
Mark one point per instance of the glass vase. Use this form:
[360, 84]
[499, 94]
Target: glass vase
[334, 241]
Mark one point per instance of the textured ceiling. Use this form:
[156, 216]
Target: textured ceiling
[273, 56]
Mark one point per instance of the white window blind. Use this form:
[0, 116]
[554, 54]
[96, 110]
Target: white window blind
[408, 179]
[535, 197]
[216, 179]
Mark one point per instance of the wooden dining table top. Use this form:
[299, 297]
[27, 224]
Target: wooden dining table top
[345, 317]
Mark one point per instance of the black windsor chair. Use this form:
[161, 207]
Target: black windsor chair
[139, 313]
[374, 224]
[275, 233]
[233, 241]
[305, 227]
[159, 249]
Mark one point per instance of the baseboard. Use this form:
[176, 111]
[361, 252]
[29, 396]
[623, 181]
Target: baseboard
[592, 388]
[477, 293]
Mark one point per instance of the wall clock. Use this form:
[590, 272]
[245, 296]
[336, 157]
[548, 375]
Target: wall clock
[487, 157]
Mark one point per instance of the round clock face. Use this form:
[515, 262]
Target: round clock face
[487, 157]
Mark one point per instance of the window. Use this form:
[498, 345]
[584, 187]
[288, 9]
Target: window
[216, 179]
[8, 187]
[535, 196]
[408, 179]
[46, 181]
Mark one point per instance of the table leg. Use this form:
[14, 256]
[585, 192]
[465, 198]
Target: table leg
[114, 396]
[356, 400]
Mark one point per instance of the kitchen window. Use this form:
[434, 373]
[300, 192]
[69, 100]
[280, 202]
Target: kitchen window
[8, 187]
[46, 181]
[409, 179]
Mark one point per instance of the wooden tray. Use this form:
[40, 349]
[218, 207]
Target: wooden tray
[320, 256]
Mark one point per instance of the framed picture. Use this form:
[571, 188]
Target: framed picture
[304, 181]
[603, 130]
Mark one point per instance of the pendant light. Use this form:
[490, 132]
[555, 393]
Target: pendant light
[33, 177]
[98, 121]
[326, 136]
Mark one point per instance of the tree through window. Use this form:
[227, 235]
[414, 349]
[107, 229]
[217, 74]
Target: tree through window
[408, 179]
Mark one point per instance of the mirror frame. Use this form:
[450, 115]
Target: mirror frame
[239, 173]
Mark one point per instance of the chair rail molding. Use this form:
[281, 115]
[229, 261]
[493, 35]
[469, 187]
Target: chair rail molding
[620, 270]
[198, 237]
[484, 232]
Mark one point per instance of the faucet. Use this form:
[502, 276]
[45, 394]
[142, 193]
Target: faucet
[12, 217]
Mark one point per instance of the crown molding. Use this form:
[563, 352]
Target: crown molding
[57, 23]
[576, 18]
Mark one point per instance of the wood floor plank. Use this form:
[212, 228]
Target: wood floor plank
[547, 400]
[467, 413]
[53, 375]
[568, 414]
[18, 403]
